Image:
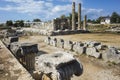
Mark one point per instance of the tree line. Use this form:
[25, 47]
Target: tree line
[114, 18]
[19, 23]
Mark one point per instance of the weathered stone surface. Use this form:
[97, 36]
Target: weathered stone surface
[25, 53]
[53, 42]
[68, 45]
[73, 16]
[60, 65]
[92, 43]
[12, 69]
[9, 40]
[85, 23]
[112, 55]
[47, 40]
[93, 52]
[79, 48]
[79, 16]
[60, 43]
[21, 49]
[101, 47]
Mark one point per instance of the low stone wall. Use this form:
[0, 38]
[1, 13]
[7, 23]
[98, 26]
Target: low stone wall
[38, 31]
[53, 33]
[90, 48]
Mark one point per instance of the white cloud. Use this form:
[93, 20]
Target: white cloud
[92, 13]
[44, 8]
[76, 1]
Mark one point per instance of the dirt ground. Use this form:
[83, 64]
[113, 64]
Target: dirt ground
[10, 68]
[94, 69]
[104, 38]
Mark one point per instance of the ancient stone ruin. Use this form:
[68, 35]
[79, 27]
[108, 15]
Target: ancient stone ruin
[8, 40]
[55, 66]
[90, 48]
[25, 53]
[61, 26]
[58, 66]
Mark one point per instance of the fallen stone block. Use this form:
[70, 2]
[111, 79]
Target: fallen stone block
[77, 44]
[101, 47]
[53, 42]
[68, 45]
[60, 43]
[58, 66]
[111, 55]
[92, 43]
[9, 40]
[81, 50]
[47, 40]
[93, 52]
[25, 53]
[21, 49]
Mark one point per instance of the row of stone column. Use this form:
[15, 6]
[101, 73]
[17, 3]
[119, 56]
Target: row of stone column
[79, 18]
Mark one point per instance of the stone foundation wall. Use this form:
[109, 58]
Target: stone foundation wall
[43, 25]
[53, 33]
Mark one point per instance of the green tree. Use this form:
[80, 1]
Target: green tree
[9, 23]
[63, 16]
[89, 20]
[19, 23]
[98, 20]
[36, 20]
[115, 18]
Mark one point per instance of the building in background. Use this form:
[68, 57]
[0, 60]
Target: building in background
[105, 20]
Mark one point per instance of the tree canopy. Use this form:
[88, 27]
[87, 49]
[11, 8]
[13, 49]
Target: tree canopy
[19, 23]
[36, 20]
[115, 18]
[9, 23]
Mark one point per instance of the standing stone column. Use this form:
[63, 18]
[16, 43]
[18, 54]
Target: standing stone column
[85, 22]
[69, 26]
[73, 16]
[79, 16]
[54, 24]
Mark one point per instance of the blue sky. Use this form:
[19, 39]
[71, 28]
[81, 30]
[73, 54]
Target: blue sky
[50, 9]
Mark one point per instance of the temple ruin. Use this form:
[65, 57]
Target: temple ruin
[61, 25]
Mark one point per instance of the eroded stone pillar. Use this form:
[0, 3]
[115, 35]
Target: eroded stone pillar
[79, 16]
[69, 26]
[85, 22]
[54, 24]
[73, 16]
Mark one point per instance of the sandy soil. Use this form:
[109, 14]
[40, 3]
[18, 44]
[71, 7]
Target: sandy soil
[94, 69]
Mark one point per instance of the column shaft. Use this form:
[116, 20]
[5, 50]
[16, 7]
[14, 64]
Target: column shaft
[85, 22]
[79, 16]
[73, 16]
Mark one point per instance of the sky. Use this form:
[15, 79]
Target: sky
[50, 9]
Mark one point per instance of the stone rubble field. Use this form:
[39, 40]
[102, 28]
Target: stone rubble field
[94, 69]
[100, 60]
